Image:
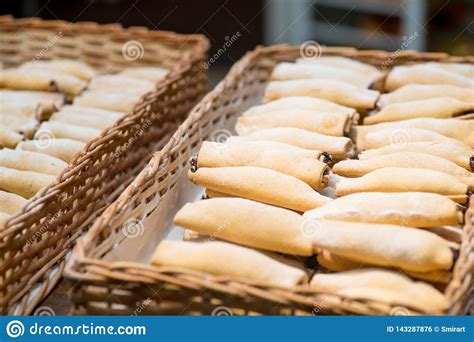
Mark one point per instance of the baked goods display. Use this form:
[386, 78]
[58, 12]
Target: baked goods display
[49, 110]
[359, 175]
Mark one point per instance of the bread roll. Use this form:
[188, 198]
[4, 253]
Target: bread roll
[90, 111]
[74, 68]
[11, 203]
[390, 287]
[437, 107]
[345, 63]
[385, 245]
[9, 138]
[73, 132]
[248, 223]
[114, 101]
[463, 69]
[453, 128]
[293, 161]
[259, 184]
[415, 209]
[26, 110]
[31, 161]
[226, 259]
[338, 147]
[336, 91]
[291, 71]
[23, 183]
[306, 103]
[92, 121]
[47, 100]
[323, 123]
[337, 263]
[454, 151]
[154, 74]
[18, 124]
[424, 74]
[357, 168]
[405, 180]
[119, 82]
[64, 149]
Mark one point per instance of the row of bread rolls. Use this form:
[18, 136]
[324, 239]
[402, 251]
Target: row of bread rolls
[378, 242]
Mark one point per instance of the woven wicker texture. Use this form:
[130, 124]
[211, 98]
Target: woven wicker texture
[117, 288]
[36, 243]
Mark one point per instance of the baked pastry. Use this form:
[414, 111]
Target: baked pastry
[385, 245]
[64, 149]
[306, 165]
[11, 203]
[337, 263]
[26, 110]
[453, 150]
[414, 92]
[389, 287]
[92, 121]
[23, 183]
[259, 184]
[415, 209]
[335, 91]
[74, 68]
[18, 124]
[391, 179]
[68, 131]
[345, 63]
[226, 259]
[120, 101]
[47, 100]
[291, 71]
[31, 161]
[91, 111]
[338, 147]
[457, 129]
[9, 138]
[437, 107]
[154, 74]
[317, 122]
[463, 69]
[357, 168]
[424, 74]
[248, 223]
[120, 82]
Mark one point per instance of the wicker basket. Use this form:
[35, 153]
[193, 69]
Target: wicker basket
[109, 283]
[36, 243]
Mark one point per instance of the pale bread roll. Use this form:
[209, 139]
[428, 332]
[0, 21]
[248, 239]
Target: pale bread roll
[67, 131]
[90, 111]
[338, 147]
[415, 209]
[47, 100]
[293, 161]
[318, 122]
[9, 138]
[213, 194]
[93, 121]
[414, 92]
[345, 63]
[387, 245]
[290, 71]
[119, 82]
[4, 217]
[304, 102]
[338, 92]
[453, 151]
[437, 107]
[357, 168]
[154, 74]
[26, 110]
[226, 259]
[453, 128]
[393, 179]
[23, 183]
[18, 124]
[390, 287]
[11, 203]
[248, 223]
[114, 101]
[64, 149]
[71, 67]
[259, 184]
[400, 137]
[424, 74]
[31, 161]
[464, 69]
[337, 263]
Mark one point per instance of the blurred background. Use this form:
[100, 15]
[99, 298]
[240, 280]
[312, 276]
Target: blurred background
[235, 27]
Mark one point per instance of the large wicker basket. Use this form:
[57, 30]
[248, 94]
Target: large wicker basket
[106, 267]
[35, 244]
